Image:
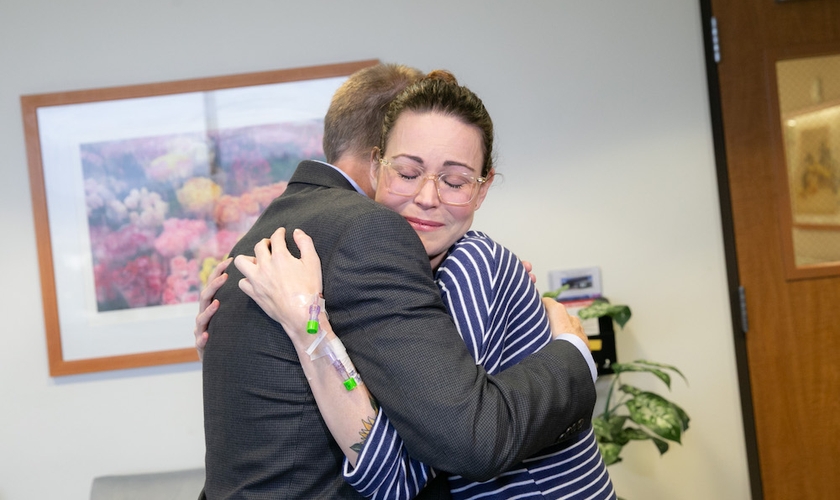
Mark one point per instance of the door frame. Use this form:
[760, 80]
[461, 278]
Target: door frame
[739, 323]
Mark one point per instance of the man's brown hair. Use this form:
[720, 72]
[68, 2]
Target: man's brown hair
[354, 120]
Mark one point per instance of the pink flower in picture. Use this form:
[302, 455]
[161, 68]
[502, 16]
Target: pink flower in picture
[249, 171]
[105, 291]
[249, 205]
[183, 283]
[312, 146]
[121, 245]
[266, 194]
[237, 213]
[225, 240]
[180, 236]
[227, 211]
[219, 244]
[140, 282]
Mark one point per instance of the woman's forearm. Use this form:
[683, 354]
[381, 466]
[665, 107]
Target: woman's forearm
[349, 414]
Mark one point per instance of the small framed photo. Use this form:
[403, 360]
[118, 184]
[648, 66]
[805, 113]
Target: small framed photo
[139, 191]
[583, 283]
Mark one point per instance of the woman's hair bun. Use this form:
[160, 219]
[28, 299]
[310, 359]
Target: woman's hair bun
[441, 74]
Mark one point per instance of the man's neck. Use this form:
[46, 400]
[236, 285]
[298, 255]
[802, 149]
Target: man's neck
[358, 170]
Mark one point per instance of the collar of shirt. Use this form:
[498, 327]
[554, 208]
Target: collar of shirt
[351, 181]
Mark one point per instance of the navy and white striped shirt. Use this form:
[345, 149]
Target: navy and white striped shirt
[498, 312]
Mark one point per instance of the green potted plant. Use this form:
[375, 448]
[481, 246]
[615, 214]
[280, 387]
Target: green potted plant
[630, 413]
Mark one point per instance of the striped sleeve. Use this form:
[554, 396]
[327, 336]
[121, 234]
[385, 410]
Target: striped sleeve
[467, 281]
[496, 307]
[384, 470]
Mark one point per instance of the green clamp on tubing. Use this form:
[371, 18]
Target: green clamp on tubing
[350, 384]
[312, 324]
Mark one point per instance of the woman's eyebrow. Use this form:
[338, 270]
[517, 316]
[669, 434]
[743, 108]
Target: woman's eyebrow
[415, 159]
[447, 163]
[453, 163]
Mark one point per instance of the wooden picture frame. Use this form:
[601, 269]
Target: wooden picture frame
[136, 189]
[803, 207]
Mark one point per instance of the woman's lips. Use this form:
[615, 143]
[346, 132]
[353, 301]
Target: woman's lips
[422, 224]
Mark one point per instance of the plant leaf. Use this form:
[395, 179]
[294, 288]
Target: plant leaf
[610, 452]
[629, 389]
[657, 414]
[595, 310]
[683, 417]
[662, 365]
[601, 429]
[673, 408]
[556, 293]
[609, 430]
[634, 434]
[637, 367]
[620, 313]
[661, 445]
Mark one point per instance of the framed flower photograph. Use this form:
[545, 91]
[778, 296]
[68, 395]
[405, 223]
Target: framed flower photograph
[139, 191]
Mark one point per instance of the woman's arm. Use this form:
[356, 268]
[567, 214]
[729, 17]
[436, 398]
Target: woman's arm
[349, 414]
[284, 287]
[353, 417]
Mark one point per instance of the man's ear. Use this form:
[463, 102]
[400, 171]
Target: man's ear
[374, 168]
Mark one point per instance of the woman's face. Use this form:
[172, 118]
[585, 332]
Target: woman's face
[436, 144]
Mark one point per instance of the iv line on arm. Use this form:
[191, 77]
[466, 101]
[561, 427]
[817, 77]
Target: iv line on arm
[333, 349]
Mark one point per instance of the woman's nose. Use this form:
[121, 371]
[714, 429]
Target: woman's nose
[427, 196]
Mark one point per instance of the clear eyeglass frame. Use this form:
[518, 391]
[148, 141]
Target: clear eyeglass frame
[474, 182]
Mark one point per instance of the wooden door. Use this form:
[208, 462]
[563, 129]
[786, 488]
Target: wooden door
[792, 343]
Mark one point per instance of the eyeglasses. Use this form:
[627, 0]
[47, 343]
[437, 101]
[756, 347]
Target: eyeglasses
[405, 179]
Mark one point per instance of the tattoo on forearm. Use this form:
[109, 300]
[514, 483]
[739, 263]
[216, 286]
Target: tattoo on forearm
[367, 425]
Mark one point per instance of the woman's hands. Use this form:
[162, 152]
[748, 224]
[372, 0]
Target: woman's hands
[562, 322]
[529, 268]
[207, 305]
[282, 285]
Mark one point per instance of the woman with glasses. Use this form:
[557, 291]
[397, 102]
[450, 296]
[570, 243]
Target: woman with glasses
[434, 166]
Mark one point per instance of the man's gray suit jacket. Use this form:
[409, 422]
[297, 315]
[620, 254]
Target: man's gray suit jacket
[264, 434]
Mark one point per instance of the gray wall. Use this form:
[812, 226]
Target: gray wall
[604, 140]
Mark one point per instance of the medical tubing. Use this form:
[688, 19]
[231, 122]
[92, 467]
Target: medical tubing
[312, 324]
[333, 349]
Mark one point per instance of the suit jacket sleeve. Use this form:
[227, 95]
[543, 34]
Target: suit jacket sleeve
[449, 412]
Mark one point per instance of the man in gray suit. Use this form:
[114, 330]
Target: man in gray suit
[264, 434]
